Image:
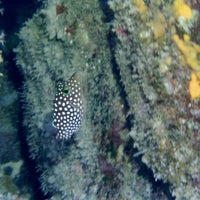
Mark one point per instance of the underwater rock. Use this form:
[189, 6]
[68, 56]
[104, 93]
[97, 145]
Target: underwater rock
[156, 58]
[92, 163]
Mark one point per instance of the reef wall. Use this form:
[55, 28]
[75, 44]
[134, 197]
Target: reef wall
[157, 51]
[148, 93]
[63, 38]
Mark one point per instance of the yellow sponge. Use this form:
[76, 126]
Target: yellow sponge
[194, 86]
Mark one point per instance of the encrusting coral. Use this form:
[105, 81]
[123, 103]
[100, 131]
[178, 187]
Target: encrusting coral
[149, 91]
[159, 67]
[64, 38]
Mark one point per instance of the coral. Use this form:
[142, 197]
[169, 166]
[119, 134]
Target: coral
[141, 93]
[92, 164]
[163, 118]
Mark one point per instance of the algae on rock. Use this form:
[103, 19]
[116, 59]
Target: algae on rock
[165, 126]
[62, 38]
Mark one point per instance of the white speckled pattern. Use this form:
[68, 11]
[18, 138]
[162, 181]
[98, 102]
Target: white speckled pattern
[68, 108]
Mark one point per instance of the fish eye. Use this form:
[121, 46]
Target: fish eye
[66, 90]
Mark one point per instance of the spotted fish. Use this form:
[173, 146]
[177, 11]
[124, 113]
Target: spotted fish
[68, 108]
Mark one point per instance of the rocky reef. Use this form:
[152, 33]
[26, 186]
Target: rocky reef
[63, 38]
[139, 82]
[157, 54]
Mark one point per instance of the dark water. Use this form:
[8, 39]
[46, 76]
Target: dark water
[16, 12]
